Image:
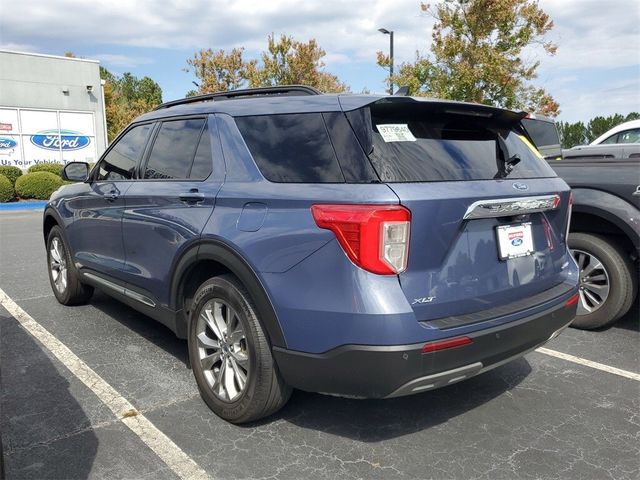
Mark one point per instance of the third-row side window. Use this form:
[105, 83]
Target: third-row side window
[292, 148]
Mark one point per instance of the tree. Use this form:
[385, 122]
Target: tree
[288, 62]
[218, 71]
[285, 62]
[572, 134]
[127, 97]
[477, 54]
[599, 125]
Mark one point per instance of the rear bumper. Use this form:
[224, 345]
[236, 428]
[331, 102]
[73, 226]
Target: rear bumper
[392, 371]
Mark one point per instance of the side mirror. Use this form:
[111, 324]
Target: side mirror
[75, 171]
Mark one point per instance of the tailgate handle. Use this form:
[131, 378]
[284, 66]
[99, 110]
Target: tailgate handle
[508, 207]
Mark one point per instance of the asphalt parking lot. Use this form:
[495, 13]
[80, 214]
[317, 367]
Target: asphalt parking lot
[538, 417]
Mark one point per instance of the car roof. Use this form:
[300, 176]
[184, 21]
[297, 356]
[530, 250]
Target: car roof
[281, 104]
[617, 129]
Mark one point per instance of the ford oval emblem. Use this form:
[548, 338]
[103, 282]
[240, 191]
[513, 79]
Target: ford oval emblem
[516, 242]
[7, 143]
[520, 186]
[68, 140]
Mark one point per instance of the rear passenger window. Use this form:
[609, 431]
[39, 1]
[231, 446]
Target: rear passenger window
[120, 162]
[174, 148]
[201, 168]
[292, 148]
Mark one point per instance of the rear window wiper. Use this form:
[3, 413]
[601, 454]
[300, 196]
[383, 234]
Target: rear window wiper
[505, 163]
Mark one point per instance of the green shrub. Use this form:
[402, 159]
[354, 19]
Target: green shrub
[12, 173]
[6, 189]
[46, 167]
[38, 185]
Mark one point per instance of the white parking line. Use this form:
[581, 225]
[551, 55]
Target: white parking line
[589, 363]
[175, 458]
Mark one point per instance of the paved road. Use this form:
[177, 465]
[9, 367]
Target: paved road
[537, 417]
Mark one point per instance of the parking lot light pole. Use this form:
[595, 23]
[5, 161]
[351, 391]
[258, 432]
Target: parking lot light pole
[390, 33]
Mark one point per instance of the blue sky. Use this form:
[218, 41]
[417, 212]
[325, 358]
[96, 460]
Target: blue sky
[595, 72]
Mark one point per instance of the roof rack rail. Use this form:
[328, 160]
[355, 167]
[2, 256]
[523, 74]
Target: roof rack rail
[284, 90]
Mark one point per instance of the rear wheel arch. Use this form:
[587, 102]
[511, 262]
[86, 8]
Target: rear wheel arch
[602, 213]
[212, 258]
[590, 221]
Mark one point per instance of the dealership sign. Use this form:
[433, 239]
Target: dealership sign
[67, 140]
[7, 143]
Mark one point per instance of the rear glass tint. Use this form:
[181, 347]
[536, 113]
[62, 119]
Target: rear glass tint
[292, 148]
[202, 162]
[415, 144]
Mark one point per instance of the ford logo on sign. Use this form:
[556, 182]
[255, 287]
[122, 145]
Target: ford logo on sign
[68, 140]
[516, 242]
[7, 143]
[521, 186]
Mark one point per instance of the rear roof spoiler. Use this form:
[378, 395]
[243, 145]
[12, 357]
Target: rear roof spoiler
[355, 102]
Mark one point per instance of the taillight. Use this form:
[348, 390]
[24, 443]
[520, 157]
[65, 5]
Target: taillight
[374, 237]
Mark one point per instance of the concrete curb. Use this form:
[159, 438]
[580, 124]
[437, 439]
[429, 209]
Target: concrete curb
[13, 206]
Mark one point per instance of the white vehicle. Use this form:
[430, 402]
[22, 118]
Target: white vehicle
[627, 132]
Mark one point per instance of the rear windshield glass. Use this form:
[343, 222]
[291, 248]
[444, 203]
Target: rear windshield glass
[415, 144]
[292, 148]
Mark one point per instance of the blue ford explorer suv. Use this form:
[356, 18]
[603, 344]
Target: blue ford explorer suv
[366, 246]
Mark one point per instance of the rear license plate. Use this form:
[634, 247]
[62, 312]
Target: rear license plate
[514, 240]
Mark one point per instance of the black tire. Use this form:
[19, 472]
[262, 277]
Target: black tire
[74, 292]
[621, 282]
[264, 392]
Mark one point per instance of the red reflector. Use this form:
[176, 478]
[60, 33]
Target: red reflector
[572, 301]
[444, 344]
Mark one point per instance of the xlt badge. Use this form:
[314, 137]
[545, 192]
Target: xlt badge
[419, 301]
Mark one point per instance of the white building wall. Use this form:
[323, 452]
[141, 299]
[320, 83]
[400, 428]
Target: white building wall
[51, 109]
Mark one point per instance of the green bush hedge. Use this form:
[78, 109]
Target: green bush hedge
[38, 185]
[46, 167]
[12, 173]
[6, 189]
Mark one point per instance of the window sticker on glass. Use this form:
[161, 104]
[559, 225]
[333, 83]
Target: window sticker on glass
[396, 132]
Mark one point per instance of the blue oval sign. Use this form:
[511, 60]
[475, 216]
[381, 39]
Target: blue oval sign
[67, 140]
[520, 186]
[7, 143]
[516, 242]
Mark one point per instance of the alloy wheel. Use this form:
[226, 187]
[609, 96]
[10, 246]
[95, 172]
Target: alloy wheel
[58, 265]
[222, 349]
[594, 282]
